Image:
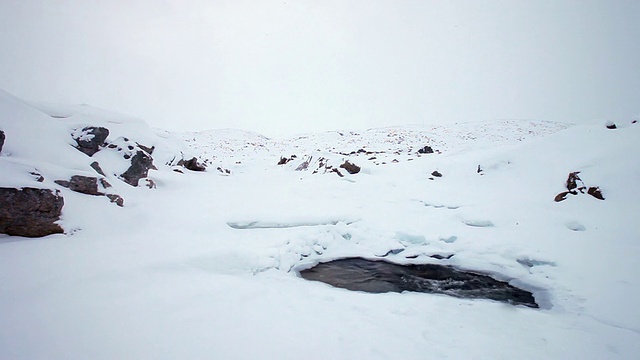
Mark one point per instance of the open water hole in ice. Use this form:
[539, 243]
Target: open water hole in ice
[376, 276]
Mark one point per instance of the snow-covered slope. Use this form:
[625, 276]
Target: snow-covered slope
[206, 266]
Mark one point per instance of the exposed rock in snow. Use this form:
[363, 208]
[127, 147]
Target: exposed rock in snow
[192, 164]
[83, 184]
[90, 139]
[96, 166]
[350, 167]
[30, 212]
[572, 186]
[141, 163]
[1, 139]
[426, 150]
[595, 192]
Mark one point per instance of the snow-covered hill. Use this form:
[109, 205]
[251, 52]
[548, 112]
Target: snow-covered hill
[206, 264]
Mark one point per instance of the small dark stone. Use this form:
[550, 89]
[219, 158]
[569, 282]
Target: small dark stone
[351, 168]
[2, 137]
[127, 156]
[425, 150]
[30, 212]
[178, 171]
[151, 184]
[283, 161]
[130, 147]
[479, 170]
[105, 184]
[112, 146]
[572, 180]
[436, 174]
[441, 257]
[595, 192]
[92, 139]
[117, 199]
[81, 184]
[337, 172]
[37, 176]
[96, 166]
[611, 126]
[562, 196]
[192, 164]
[149, 150]
[140, 165]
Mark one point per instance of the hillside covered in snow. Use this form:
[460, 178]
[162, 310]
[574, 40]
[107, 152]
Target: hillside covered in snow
[122, 241]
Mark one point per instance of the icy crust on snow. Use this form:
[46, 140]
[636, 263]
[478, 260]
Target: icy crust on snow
[207, 265]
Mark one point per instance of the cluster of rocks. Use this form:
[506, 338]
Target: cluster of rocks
[322, 165]
[33, 212]
[90, 186]
[575, 186]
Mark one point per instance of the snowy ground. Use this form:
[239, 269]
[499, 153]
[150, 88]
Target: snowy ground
[205, 266]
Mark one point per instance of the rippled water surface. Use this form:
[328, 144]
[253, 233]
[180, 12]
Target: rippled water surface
[375, 276]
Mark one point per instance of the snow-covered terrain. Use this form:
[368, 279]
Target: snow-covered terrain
[204, 265]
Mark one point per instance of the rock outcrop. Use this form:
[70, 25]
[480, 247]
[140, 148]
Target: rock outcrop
[91, 139]
[192, 164]
[82, 184]
[1, 140]
[575, 186]
[140, 165]
[30, 212]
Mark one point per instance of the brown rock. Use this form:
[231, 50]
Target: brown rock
[562, 196]
[572, 180]
[82, 184]
[595, 192]
[30, 212]
[92, 139]
[140, 165]
[351, 168]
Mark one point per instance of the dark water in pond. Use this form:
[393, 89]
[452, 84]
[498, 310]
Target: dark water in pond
[380, 276]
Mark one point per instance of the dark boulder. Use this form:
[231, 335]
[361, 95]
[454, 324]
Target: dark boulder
[140, 165]
[562, 196]
[350, 167]
[283, 160]
[192, 164]
[572, 180]
[81, 184]
[116, 199]
[611, 126]
[1, 140]
[425, 150]
[436, 174]
[30, 212]
[91, 139]
[149, 150]
[595, 192]
[96, 166]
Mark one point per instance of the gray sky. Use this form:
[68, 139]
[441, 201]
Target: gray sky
[284, 67]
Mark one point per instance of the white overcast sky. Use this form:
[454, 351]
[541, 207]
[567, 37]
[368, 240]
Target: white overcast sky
[284, 67]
